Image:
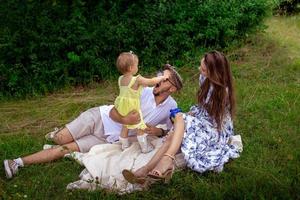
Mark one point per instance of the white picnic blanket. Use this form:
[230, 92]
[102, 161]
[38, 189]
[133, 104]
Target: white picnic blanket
[104, 164]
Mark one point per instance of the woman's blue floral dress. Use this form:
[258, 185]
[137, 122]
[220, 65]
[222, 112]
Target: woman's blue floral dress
[205, 148]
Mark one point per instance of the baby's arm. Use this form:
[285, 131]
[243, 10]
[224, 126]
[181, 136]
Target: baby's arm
[151, 81]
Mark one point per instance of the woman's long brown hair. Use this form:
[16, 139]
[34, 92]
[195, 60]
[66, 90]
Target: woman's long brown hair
[219, 77]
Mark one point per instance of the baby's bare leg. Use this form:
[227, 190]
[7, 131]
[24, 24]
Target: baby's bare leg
[124, 132]
[140, 132]
[142, 139]
[124, 137]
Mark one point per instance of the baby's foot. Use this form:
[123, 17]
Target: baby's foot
[125, 143]
[144, 144]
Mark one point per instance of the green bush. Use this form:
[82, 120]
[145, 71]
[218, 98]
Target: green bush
[49, 44]
[288, 7]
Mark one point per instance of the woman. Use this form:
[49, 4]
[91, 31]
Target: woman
[202, 134]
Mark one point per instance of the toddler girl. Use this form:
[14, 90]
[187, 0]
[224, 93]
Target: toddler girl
[129, 98]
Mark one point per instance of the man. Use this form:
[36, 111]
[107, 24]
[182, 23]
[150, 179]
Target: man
[94, 126]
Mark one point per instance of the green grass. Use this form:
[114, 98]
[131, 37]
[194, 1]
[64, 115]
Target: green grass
[267, 76]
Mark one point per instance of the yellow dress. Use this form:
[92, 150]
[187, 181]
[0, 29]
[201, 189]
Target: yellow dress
[128, 100]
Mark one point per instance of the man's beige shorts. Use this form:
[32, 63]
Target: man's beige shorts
[87, 129]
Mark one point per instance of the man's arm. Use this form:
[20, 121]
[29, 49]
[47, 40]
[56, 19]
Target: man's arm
[131, 118]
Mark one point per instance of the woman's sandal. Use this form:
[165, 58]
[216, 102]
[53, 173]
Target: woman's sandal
[131, 178]
[167, 175]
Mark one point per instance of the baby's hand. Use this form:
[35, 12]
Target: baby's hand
[166, 77]
[163, 78]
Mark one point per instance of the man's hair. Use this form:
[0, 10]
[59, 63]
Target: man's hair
[175, 77]
[125, 60]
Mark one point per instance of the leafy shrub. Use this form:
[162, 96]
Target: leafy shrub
[288, 7]
[48, 44]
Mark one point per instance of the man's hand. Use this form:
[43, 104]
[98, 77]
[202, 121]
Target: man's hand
[152, 130]
[133, 117]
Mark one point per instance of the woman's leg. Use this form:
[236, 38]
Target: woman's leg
[160, 162]
[143, 171]
[166, 162]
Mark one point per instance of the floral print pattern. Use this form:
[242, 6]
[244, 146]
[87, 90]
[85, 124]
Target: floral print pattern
[204, 147]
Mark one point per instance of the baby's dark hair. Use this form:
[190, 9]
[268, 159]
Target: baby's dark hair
[125, 60]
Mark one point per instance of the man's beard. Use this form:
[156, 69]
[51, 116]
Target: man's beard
[156, 94]
[160, 92]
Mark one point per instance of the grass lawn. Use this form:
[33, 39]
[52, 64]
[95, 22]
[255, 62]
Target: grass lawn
[267, 77]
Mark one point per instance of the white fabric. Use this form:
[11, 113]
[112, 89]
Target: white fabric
[104, 164]
[236, 140]
[152, 114]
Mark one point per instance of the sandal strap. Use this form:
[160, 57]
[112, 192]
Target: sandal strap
[172, 157]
